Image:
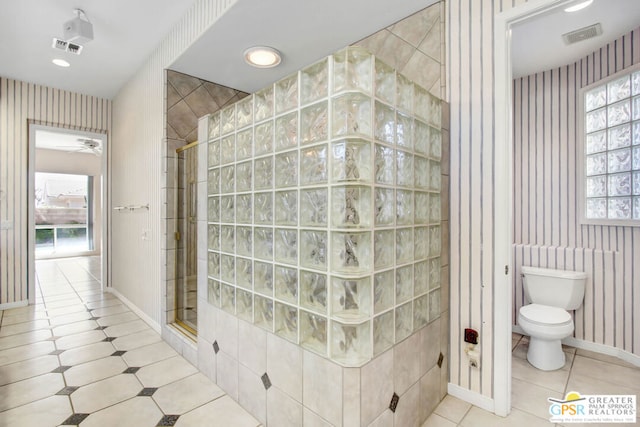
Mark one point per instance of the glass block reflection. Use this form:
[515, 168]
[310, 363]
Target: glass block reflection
[323, 205]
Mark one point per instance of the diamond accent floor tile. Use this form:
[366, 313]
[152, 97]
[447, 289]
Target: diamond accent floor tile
[131, 370]
[60, 369]
[67, 390]
[148, 391]
[109, 339]
[56, 352]
[168, 420]
[100, 328]
[118, 353]
[74, 419]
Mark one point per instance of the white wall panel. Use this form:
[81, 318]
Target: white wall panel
[20, 104]
[138, 150]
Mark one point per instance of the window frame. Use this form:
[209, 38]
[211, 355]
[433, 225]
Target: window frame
[582, 154]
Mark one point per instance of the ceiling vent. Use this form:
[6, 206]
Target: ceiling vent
[582, 34]
[66, 46]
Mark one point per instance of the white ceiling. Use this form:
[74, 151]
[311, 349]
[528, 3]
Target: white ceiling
[60, 141]
[126, 32]
[537, 43]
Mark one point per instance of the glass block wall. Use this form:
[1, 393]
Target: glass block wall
[612, 148]
[324, 207]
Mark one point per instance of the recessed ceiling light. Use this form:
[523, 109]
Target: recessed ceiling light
[262, 57]
[61, 62]
[578, 6]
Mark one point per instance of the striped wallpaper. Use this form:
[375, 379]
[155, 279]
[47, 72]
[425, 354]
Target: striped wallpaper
[22, 103]
[546, 212]
[139, 167]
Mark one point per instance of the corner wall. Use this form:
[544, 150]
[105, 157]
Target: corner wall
[470, 28]
[139, 167]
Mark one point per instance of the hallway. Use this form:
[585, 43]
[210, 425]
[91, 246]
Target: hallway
[81, 357]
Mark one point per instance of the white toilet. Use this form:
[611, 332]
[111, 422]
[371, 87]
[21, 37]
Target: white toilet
[546, 320]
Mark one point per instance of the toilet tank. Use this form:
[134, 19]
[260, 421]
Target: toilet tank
[557, 288]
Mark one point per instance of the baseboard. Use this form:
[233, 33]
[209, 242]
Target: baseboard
[595, 347]
[141, 314]
[472, 397]
[10, 305]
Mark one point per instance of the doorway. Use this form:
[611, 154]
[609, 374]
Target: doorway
[67, 197]
[186, 285]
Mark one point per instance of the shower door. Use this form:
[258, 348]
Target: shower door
[186, 238]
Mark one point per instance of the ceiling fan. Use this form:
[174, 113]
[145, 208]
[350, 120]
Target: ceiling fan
[85, 145]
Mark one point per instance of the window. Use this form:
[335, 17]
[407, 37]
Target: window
[612, 149]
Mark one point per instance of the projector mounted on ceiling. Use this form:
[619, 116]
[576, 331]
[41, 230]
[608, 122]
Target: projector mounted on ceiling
[78, 30]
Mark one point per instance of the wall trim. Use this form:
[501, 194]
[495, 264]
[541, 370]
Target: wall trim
[141, 314]
[595, 347]
[15, 304]
[472, 397]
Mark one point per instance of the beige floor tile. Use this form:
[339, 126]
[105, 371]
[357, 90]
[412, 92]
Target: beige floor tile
[29, 351]
[48, 412]
[186, 394]
[20, 328]
[117, 319]
[69, 318]
[136, 412]
[102, 394]
[93, 296]
[222, 412]
[149, 354]
[27, 369]
[54, 307]
[165, 372]
[86, 353]
[604, 358]
[10, 318]
[554, 380]
[452, 408]
[64, 311]
[74, 328]
[24, 338]
[29, 390]
[80, 339]
[36, 308]
[102, 303]
[110, 311]
[127, 328]
[532, 398]
[620, 375]
[477, 417]
[139, 339]
[95, 370]
[590, 385]
[436, 420]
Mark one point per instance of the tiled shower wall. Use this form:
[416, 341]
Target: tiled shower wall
[306, 388]
[188, 98]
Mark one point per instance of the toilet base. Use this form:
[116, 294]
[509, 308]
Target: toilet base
[546, 355]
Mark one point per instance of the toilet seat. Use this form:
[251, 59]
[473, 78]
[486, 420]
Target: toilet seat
[544, 315]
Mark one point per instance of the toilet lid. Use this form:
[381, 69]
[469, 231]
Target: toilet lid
[545, 315]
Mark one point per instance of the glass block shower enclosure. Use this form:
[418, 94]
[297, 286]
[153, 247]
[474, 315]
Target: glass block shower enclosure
[324, 208]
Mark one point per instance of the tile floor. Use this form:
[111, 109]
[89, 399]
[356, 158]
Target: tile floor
[584, 372]
[81, 357]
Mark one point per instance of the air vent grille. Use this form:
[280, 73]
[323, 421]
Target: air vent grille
[582, 34]
[66, 46]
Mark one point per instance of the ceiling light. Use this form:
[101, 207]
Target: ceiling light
[262, 57]
[61, 63]
[578, 6]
